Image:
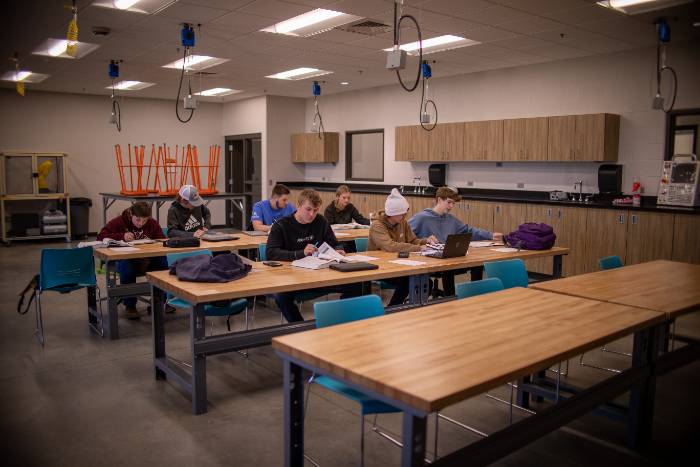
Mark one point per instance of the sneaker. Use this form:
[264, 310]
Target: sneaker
[132, 313]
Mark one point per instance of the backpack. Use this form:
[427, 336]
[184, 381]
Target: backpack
[205, 268]
[531, 236]
[33, 286]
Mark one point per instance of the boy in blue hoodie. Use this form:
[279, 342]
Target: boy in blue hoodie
[439, 222]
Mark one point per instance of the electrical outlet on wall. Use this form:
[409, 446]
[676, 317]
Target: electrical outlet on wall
[520, 185]
[470, 183]
[269, 182]
[323, 179]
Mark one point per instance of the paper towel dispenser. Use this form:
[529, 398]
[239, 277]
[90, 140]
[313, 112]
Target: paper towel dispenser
[437, 174]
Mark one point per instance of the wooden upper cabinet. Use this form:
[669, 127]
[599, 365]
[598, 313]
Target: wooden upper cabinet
[315, 147]
[483, 141]
[525, 139]
[450, 141]
[443, 143]
[561, 138]
[408, 143]
[597, 137]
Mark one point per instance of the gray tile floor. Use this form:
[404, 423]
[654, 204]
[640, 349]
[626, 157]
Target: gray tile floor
[85, 401]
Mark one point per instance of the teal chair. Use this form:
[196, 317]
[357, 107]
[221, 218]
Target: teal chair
[512, 272]
[484, 286]
[610, 262]
[235, 307]
[262, 252]
[65, 270]
[334, 312]
[165, 231]
[361, 244]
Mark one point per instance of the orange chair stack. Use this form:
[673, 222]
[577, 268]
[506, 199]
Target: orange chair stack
[135, 169]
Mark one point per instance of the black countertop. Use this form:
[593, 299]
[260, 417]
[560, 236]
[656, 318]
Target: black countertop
[503, 196]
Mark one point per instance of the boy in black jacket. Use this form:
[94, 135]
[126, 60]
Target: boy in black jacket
[299, 235]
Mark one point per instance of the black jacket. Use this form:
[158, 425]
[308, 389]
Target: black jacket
[346, 216]
[184, 223]
[288, 238]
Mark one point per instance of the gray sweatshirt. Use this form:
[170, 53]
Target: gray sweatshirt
[183, 222]
[428, 222]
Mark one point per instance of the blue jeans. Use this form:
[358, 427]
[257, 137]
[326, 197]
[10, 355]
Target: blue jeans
[290, 310]
[128, 269]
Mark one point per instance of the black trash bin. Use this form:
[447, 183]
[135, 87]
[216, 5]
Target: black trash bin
[79, 217]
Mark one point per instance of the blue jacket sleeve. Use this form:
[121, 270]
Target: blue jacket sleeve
[477, 233]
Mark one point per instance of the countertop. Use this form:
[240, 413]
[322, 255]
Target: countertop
[502, 196]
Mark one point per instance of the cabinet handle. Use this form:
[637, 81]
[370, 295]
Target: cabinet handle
[621, 219]
[559, 214]
[549, 213]
[498, 209]
[634, 219]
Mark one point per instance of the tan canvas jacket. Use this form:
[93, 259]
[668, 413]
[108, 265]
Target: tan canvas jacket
[382, 236]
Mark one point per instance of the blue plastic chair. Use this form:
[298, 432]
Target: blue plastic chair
[235, 307]
[65, 270]
[262, 252]
[165, 231]
[484, 286]
[610, 262]
[361, 244]
[334, 312]
[512, 272]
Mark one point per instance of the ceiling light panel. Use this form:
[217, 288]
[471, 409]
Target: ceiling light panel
[57, 48]
[23, 76]
[135, 6]
[437, 44]
[299, 73]
[313, 22]
[217, 92]
[632, 7]
[131, 85]
[197, 62]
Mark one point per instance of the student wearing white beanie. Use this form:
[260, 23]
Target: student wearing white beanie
[391, 232]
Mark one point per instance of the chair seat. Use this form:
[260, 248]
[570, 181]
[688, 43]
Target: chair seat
[367, 404]
[234, 308]
[66, 288]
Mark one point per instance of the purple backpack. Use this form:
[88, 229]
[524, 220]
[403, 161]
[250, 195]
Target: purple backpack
[532, 236]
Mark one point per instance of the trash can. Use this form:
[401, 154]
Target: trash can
[80, 217]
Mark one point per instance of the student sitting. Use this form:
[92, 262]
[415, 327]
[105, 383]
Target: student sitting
[392, 233]
[187, 216]
[341, 211]
[299, 235]
[134, 223]
[439, 222]
[267, 211]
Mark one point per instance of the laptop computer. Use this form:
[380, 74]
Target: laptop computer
[455, 246]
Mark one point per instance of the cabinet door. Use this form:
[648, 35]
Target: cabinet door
[483, 141]
[508, 216]
[570, 227]
[561, 141]
[606, 231]
[479, 214]
[686, 240]
[513, 139]
[418, 203]
[597, 137]
[525, 139]
[298, 147]
[452, 140]
[542, 214]
[649, 237]
[330, 143]
[404, 149]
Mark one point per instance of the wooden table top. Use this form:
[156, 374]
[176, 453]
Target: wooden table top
[150, 250]
[351, 234]
[667, 286]
[434, 356]
[267, 280]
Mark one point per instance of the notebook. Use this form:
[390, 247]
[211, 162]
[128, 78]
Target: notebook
[255, 233]
[350, 267]
[455, 246]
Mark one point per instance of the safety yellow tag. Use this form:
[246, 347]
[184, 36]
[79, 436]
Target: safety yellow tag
[20, 88]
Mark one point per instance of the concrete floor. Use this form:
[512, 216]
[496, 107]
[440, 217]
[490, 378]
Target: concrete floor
[87, 401]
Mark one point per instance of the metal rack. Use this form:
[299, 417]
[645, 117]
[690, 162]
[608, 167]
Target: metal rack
[19, 184]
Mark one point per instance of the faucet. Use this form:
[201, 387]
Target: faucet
[580, 190]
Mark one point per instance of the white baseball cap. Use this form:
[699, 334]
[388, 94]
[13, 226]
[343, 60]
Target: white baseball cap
[189, 193]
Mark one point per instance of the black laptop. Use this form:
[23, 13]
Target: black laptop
[455, 246]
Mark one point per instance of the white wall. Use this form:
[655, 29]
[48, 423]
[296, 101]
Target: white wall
[621, 83]
[285, 116]
[78, 125]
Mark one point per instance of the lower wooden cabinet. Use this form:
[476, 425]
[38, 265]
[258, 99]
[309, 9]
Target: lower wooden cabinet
[686, 238]
[648, 236]
[606, 232]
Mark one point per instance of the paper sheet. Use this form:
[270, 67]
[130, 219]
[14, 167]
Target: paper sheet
[483, 243]
[360, 258]
[505, 250]
[124, 248]
[407, 262]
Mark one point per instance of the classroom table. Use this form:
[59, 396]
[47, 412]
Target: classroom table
[265, 280]
[426, 359]
[239, 200]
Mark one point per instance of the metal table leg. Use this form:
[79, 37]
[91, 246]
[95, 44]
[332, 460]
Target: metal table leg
[418, 289]
[641, 405]
[293, 415]
[556, 266]
[157, 301]
[199, 362]
[106, 203]
[112, 317]
[414, 440]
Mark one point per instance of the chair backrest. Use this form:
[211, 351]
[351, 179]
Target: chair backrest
[512, 272]
[172, 257]
[610, 262]
[469, 289]
[334, 312]
[361, 244]
[262, 252]
[67, 267]
[165, 231]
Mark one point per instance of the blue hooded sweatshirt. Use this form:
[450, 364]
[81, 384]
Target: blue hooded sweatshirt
[428, 222]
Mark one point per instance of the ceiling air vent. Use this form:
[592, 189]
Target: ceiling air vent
[366, 27]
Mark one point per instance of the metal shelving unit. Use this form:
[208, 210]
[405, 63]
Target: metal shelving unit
[20, 173]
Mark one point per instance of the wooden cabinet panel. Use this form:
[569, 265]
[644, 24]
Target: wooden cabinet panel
[315, 147]
[597, 137]
[508, 216]
[544, 215]
[686, 238]
[525, 139]
[483, 141]
[561, 138]
[451, 138]
[402, 143]
[606, 235]
[411, 144]
[648, 237]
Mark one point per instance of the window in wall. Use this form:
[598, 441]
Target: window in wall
[364, 155]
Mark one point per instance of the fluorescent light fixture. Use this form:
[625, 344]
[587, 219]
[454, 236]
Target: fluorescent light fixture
[24, 76]
[217, 92]
[124, 4]
[344, 83]
[196, 62]
[299, 73]
[57, 48]
[632, 7]
[131, 85]
[436, 44]
[312, 22]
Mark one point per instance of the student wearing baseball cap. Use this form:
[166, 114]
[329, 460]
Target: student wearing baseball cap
[188, 216]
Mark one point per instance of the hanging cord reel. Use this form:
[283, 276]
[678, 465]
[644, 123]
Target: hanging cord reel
[318, 120]
[189, 102]
[664, 37]
[397, 57]
[423, 115]
[116, 116]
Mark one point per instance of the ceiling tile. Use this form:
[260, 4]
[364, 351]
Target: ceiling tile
[276, 9]
[488, 33]
[540, 6]
[464, 9]
[557, 52]
[192, 13]
[520, 42]
[364, 8]
[242, 22]
[530, 24]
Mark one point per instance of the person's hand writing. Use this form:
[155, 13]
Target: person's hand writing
[129, 237]
[309, 249]
[198, 233]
